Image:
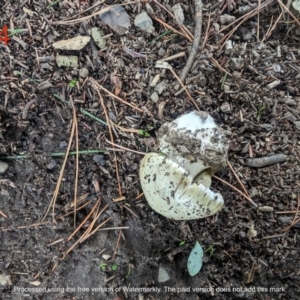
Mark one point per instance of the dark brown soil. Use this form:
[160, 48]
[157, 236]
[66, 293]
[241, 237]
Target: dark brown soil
[250, 251]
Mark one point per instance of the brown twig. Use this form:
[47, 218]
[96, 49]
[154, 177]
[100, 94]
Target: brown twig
[237, 178]
[77, 160]
[56, 191]
[112, 140]
[3, 214]
[170, 27]
[185, 89]
[196, 42]
[72, 22]
[286, 9]
[242, 19]
[117, 245]
[182, 27]
[124, 148]
[97, 86]
[237, 190]
[296, 219]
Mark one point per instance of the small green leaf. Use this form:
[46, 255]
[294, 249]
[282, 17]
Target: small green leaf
[181, 243]
[73, 83]
[114, 267]
[195, 260]
[103, 266]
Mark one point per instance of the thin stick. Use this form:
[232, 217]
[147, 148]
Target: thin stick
[237, 190]
[97, 86]
[242, 19]
[96, 229]
[175, 56]
[124, 148]
[295, 219]
[237, 177]
[117, 245]
[170, 27]
[77, 160]
[55, 194]
[80, 20]
[85, 219]
[112, 140]
[185, 89]
[182, 27]
[196, 42]
[3, 214]
[290, 13]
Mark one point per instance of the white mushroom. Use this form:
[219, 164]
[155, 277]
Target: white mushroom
[177, 182]
[171, 191]
[195, 142]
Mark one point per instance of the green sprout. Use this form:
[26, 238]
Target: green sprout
[261, 109]
[145, 133]
[223, 81]
[73, 83]
[114, 267]
[181, 243]
[103, 266]
[210, 250]
[128, 273]
[52, 4]
[15, 31]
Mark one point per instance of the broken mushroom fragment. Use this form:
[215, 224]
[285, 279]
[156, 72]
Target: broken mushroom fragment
[172, 192]
[195, 142]
[176, 182]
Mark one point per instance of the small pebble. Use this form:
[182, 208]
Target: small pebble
[83, 72]
[3, 166]
[99, 159]
[161, 52]
[154, 97]
[163, 276]
[51, 165]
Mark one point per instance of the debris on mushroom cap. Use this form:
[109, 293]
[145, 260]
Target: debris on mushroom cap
[173, 193]
[195, 142]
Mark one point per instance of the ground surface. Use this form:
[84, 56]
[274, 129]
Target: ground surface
[257, 104]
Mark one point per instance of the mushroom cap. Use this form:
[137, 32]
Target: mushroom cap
[195, 142]
[172, 192]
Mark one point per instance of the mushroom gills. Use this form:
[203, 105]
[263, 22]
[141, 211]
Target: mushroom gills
[173, 193]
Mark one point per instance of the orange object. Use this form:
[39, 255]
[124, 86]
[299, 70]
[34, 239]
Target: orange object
[4, 35]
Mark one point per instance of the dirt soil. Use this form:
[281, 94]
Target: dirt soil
[246, 74]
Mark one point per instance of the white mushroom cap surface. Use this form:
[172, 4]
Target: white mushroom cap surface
[195, 142]
[171, 191]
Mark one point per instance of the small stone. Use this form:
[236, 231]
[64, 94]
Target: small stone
[178, 12]
[160, 87]
[226, 19]
[51, 165]
[297, 125]
[144, 22]
[154, 97]
[163, 276]
[83, 72]
[97, 35]
[237, 63]
[225, 107]
[99, 159]
[67, 61]
[161, 52]
[3, 166]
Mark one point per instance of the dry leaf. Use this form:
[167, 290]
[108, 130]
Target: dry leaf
[76, 43]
